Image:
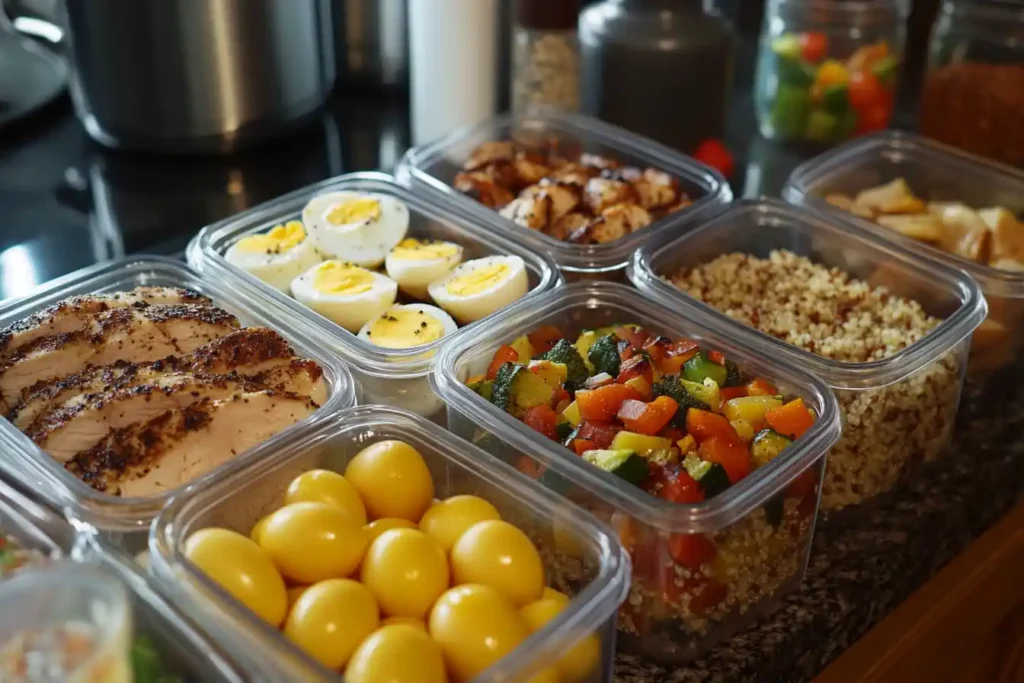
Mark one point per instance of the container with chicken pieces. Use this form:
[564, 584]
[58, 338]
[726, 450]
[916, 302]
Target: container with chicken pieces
[946, 205]
[77, 611]
[584, 191]
[703, 450]
[124, 382]
[379, 545]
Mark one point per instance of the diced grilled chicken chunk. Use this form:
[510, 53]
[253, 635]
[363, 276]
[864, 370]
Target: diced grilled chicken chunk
[179, 446]
[618, 221]
[77, 313]
[565, 197]
[602, 193]
[656, 189]
[597, 161]
[530, 168]
[79, 424]
[530, 212]
[569, 224]
[574, 173]
[490, 152]
[481, 187]
[137, 334]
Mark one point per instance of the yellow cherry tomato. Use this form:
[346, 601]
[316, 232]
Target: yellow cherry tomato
[312, 542]
[579, 662]
[325, 486]
[241, 568]
[331, 619]
[497, 554]
[475, 626]
[408, 621]
[407, 571]
[294, 593]
[397, 654]
[392, 479]
[379, 526]
[551, 594]
[257, 529]
[449, 519]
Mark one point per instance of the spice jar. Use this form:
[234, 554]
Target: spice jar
[545, 55]
[973, 96]
[660, 68]
[827, 69]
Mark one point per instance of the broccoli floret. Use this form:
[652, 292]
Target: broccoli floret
[671, 386]
[565, 353]
[604, 355]
[733, 377]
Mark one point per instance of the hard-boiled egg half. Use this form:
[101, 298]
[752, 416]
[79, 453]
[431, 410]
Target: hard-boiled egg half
[277, 257]
[406, 326]
[480, 287]
[355, 227]
[346, 294]
[414, 264]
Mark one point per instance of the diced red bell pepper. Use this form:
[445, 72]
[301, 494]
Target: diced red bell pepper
[703, 424]
[678, 354]
[504, 354]
[716, 357]
[603, 404]
[760, 387]
[601, 434]
[813, 46]
[542, 419]
[560, 395]
[544, 338]
[681, 488]
[691, 550]
[635, 338]
[647, 418]
[791, 419]
[729, 453]
[657, 348]
[715, 154]
[529, 467]
[637, 366]
[581, 446]
[708, 596]
[729, 393]
[672, 432]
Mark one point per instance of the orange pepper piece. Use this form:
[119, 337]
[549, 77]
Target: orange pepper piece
[791, 419]
[647, 418]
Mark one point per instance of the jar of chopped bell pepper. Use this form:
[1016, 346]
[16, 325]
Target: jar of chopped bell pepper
[827, 69]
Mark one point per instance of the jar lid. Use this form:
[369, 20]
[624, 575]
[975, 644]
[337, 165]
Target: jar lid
[550, 15]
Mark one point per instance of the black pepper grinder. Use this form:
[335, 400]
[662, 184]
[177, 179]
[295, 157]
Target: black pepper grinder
[660, 68]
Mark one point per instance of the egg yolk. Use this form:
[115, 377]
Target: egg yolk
[414, 250]
[403, 328]
[280, 239]
[479, 279]
[362, 210]
[341, 278]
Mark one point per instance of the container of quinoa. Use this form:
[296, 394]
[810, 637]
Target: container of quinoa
[626, 408]
[163, 646]
[887, 330]
[945, 204]
[585, 192]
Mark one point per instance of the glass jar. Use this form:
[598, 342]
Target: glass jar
[973, 95]
[545, 55]
[827, 69]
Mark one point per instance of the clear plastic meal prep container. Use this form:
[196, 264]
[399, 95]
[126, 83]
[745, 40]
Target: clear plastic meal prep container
[897, 412]
[934, 172]
[183, 649]
[395, 377]
[35, 470]
[566, 536]
[433, 168]
[757, 562]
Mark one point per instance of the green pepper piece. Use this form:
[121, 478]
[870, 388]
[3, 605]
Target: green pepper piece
[846, 125]
[790, 109]
[795, 72]
[787, 46]
[836, 99]
[821, 126]
[886, 70]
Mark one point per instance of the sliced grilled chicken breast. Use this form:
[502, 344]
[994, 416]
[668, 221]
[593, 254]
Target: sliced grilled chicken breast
[178, 446]
[77, 313]
[137, 334]
[82, 422]
[256, 353]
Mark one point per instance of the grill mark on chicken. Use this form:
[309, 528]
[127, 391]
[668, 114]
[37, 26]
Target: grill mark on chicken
[73, 313]
[178, 446]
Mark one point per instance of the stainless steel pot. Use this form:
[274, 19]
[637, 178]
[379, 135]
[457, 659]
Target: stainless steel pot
[197, 75]
[372, 42]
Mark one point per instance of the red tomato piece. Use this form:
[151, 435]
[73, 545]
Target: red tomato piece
[544, 338]
[716, 155]
[691, 550]
[504, 354]
[732, 454]
[813, 46]
[542, 419]
[702, 424]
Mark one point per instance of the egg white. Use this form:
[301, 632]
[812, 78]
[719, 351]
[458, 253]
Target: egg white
[415, 275]
[276, 269]
[448, 325]
[364, 242]
[351, 311]
[467, 308]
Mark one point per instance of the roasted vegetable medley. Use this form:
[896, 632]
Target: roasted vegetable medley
[578, 198]
[681, 422]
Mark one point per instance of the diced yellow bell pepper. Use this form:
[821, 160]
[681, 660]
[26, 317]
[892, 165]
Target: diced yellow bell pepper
[687, 444]
[750, 408]
[641, 444]
[831, 72]
[572, 414]
[553, 374]
[523, 347]
[744, 429]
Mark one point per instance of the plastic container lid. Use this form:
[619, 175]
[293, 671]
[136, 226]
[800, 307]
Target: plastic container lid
[426, 219]
[184, 648]
[941, 172]
[434, 166]
[621, 304]
[37, 471]
[457, 467]
[771, 224]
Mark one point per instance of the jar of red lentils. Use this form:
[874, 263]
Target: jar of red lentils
[973, 95]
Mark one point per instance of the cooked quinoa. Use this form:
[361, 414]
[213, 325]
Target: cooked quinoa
[886, 431]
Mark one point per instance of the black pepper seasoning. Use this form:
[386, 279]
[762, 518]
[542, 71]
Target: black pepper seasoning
[660, 68]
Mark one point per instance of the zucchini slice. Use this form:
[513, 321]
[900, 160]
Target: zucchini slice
[623, 463]
[711, 476]
[767, 445]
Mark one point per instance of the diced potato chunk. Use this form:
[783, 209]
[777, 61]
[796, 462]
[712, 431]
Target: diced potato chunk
[924, 227]
[1007, 234]
[892, 197]
[965, 234]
